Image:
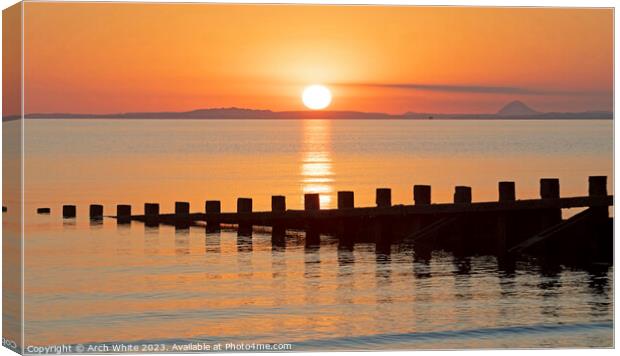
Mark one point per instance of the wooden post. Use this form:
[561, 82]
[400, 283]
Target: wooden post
[550, 189]
[244, 205]
[346, 200]
[384, 197]
[123, 213]
[96, 211]
[462, 195]
[151, 210]
[213, 207]
[422, 194]
[278, 203]
[278, 231]
[43, 210]
[597, 186]
[601, 239]
[312, 202]
[345, 226]
[151, 214]
[181, 208]
[507, 191]
[68, 211]
[181, 214]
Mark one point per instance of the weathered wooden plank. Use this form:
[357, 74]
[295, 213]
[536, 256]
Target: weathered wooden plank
[552, 231]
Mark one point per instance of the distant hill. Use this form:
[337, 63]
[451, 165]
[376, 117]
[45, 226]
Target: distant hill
[517, 108]
[513, 110]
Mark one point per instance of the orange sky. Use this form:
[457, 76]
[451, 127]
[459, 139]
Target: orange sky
[102, 58]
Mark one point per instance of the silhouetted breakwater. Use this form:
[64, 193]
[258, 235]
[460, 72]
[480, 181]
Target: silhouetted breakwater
[506, 227]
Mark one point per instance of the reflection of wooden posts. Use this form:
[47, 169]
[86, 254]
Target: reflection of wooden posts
[278, 231]
[123, 213]
[68, 211]
[550, 189]
[383, 197]
[345, 227]
[244, 205]
[95, 211]
[151, 214]
[462, 195]
[312, 202]
[213, 207]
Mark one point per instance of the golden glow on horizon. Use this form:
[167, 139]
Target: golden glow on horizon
[121, 57]
[316, 97]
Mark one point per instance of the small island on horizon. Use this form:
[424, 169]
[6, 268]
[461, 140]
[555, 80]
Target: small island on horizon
[513, 110]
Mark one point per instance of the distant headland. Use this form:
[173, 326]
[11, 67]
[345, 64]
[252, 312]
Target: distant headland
[513, 110]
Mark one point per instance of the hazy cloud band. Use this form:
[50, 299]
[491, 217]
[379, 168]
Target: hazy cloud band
[475, 89]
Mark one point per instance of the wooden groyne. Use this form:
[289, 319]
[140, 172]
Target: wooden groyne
[505, 226]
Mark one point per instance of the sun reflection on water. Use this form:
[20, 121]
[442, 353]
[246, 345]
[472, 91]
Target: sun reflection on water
[316, 164]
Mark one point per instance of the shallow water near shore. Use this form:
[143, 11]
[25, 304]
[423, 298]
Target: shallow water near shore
[99, 282]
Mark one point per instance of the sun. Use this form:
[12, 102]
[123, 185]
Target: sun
[316, 97]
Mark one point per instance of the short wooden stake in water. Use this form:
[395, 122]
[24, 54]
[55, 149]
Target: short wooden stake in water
[344, 226]
[213, 207]
[346, 200]
[278, 203]
[151, 214]
[506, 191]
[181, 208]
[278, 231]
[462, 195]
[123, 213]
[181, 214]
[312, 202]
[422, 194]
[244, 205]
[95, 211]
[68, 211]
[383, 197]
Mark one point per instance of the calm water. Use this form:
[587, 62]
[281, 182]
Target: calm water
[103, 283]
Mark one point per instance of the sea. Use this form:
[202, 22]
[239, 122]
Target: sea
[102, 285]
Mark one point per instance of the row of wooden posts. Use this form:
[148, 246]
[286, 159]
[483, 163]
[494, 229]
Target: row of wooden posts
[549, 189]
